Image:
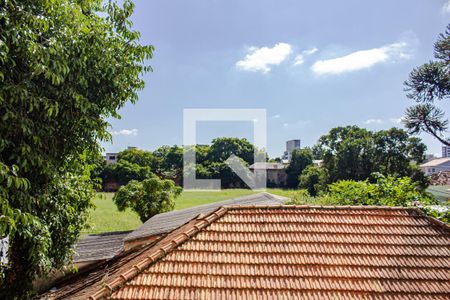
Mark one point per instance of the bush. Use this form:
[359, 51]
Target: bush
[313, 179]
[148, 197]
[390, 191]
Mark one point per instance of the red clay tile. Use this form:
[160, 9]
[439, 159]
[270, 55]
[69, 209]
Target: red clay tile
[290, 252]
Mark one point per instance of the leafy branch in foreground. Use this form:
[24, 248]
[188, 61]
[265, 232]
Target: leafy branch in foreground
[65, 67]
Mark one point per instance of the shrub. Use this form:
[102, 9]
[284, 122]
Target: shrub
[313, 179]
[148, 197]
[390, 191]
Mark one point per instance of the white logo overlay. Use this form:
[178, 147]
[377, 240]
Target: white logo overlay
[255, 180]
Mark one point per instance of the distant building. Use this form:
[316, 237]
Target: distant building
[445, 151]
[318, 162]
[436, 166]
[275, 173]
[111, 158]
[290, 147]
[429, 157]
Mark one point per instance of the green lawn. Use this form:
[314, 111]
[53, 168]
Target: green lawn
[105, 217]
[441, 192]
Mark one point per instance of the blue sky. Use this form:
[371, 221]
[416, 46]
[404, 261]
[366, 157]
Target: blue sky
[312, 65]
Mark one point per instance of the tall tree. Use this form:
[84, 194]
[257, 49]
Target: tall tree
[300, 159]
[427, 84]
[346, 153]
[353, 153]
[222, 148]
[140, 157]
[65, 67]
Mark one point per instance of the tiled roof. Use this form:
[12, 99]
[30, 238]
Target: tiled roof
[102, 246]
[304, 252]
[166, 222]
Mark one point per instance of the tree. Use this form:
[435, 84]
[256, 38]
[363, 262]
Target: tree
[124, 171]
[148, 197]
[222, 148]
[353, 153]
[132, 164]
[65, 67]
[300, 159]
[169, 161]
[426, 84]
[346, 153]
[313, 179]
[139, 157]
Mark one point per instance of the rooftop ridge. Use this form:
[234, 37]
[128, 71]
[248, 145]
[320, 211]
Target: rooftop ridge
[433, 221]
[337, 207]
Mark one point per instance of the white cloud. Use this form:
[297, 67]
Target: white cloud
[373, 121]
[363, 59]
[310, 51]
[276, 116]
[260, 59]
[446, 7]
[396, 120]
[384, 121]
[132, 132]
[299, 59]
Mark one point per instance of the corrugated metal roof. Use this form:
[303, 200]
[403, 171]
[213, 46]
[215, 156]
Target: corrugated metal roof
[302, 252]
[166, 222]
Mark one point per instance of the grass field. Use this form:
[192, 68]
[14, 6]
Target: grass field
[105, 217]
[441, 192]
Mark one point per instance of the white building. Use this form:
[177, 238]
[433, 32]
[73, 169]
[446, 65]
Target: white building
[111, 158]
[436, 166]
[290, 147]
[445, 151]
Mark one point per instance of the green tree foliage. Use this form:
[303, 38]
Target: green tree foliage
[222, 148]
[313, 179]
[132, 164]
[148, 197]
[385, 190]
[65, 67]
[124, 171]
[300, 159]
[353, 153]
[346, 153]
[139, 157]
[426, 84]
[169, 161]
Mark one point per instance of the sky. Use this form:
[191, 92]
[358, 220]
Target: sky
[313, 65]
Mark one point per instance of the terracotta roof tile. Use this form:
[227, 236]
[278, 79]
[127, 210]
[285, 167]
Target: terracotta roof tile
[290, 252]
